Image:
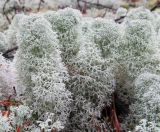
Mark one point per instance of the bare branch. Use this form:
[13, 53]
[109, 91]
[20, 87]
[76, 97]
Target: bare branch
[103, 15]
[4, 6]
[156, 6]
[97, 4]
[5, 54]
[4, 13]
[119, 20]
[39, 5]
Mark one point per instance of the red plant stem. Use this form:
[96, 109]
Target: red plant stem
[99, 128]
[5, 103]
[103, 128]
[116, 123]
[18, 129]
[8, 103]
[114, 118]
[54, 130]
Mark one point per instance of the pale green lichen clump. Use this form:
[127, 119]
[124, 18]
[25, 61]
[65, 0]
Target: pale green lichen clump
[66, 24]
[91, 83]
[41, 71]
[62, 53]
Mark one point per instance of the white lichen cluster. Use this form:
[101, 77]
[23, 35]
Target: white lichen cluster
[131, 50]
[139, 54]
[40, 69]
[145, 126]
[91, 83]
[69, 67]
[102, 57]
[12, 30]
[66, 24]
[147, 94]
[140, 13]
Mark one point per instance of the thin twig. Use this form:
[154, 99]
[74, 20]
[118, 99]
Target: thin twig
[156, 6]
[4, 13]
[15, 92]
[39, 5]
[9, 21]
[78, 5]
[119, 20]
[104, 13]
[5, 54]
[4, 6]
[97, 5]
